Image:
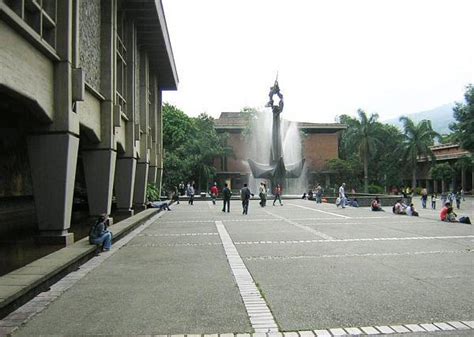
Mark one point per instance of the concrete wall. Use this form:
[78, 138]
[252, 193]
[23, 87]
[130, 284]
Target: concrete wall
[26, 71]
[73, 82]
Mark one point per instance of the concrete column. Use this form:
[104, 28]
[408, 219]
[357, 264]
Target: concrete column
[53, 160]
[152, 174]
[125, 172]
[141, 179]
[435, 186]
[99, 170]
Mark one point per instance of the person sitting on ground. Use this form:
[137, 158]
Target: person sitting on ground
[411, 211]
[304, 197]
[375, 205]
[451, 216]
[99, 234]
[447, 214]
[310, 195]
[399, 208]
[158, 204]
[353, 202]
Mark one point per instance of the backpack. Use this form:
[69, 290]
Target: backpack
[465, 219]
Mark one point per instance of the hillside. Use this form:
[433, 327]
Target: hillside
[440, 118]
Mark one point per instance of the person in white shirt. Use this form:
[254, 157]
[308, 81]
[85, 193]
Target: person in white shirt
[342, 195]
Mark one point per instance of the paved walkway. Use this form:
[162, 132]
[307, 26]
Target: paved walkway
[301, 269]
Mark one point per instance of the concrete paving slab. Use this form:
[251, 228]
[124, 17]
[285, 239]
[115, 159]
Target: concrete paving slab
[169, 281]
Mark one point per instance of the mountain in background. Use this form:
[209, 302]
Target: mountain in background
[440, 118]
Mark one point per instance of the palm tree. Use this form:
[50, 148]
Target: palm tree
[363, 134]
[418, 139]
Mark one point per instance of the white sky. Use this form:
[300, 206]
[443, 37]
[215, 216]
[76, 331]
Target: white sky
[392, 57]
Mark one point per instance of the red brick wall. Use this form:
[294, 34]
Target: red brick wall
[318, 149]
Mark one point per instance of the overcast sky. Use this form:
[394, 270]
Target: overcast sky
[392, 57]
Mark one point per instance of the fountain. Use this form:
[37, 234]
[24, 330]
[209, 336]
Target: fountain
[277, 170]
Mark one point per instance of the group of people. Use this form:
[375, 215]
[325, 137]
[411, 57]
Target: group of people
[245, 196]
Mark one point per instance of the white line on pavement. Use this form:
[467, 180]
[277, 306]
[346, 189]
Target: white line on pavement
[318, 210]
[306, 228]
[303, 257]
[356, 240]
[254, 302]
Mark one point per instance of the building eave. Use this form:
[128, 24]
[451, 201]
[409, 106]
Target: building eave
[152, 34]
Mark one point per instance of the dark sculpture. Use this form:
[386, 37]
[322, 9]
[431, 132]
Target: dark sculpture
[276, 171]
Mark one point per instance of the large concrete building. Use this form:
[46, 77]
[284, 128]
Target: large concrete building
[81, 83]
[319, 145]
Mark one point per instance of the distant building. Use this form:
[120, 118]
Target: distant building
[320, 144]
[80, 104]
[446, 153]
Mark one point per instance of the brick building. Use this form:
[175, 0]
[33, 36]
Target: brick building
[320, 143]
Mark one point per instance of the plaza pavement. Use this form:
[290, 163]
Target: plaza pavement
[302, 269]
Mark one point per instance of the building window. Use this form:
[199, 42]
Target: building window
[40, 15]
[121, 59]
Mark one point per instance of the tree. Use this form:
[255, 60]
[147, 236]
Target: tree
[346, 171]
[190, 147]
[363, 134]
[464, 115]
[442, 172]
[418, 139]
[386, 166]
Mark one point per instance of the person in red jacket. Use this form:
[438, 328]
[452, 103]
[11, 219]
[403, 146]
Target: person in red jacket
[214, 193]
[443, 215]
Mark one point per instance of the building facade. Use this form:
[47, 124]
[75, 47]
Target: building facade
[81, 83]
[320, 143]
[452, 154]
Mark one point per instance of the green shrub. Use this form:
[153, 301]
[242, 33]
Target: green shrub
[376, 189]
[152, 192]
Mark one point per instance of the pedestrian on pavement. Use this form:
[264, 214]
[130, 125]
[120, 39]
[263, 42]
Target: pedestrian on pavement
[99, 234]
[342, 195]
[262, 193]
[226, 194]
[176, 194]
[319, 194]
[458, 200]
[245, 195]
[424, 197]
[434, 198]
[214, 193]
[191, 192]
[277, 195]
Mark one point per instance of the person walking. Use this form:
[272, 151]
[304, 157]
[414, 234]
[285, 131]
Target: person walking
[245, 197]
[319, 194]
[458, 200]
[433, 200]
[342, 195]
[191, 192]
[262, 193]
[226, 194]
[424, 197]
[277, 195]
[214, 192]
